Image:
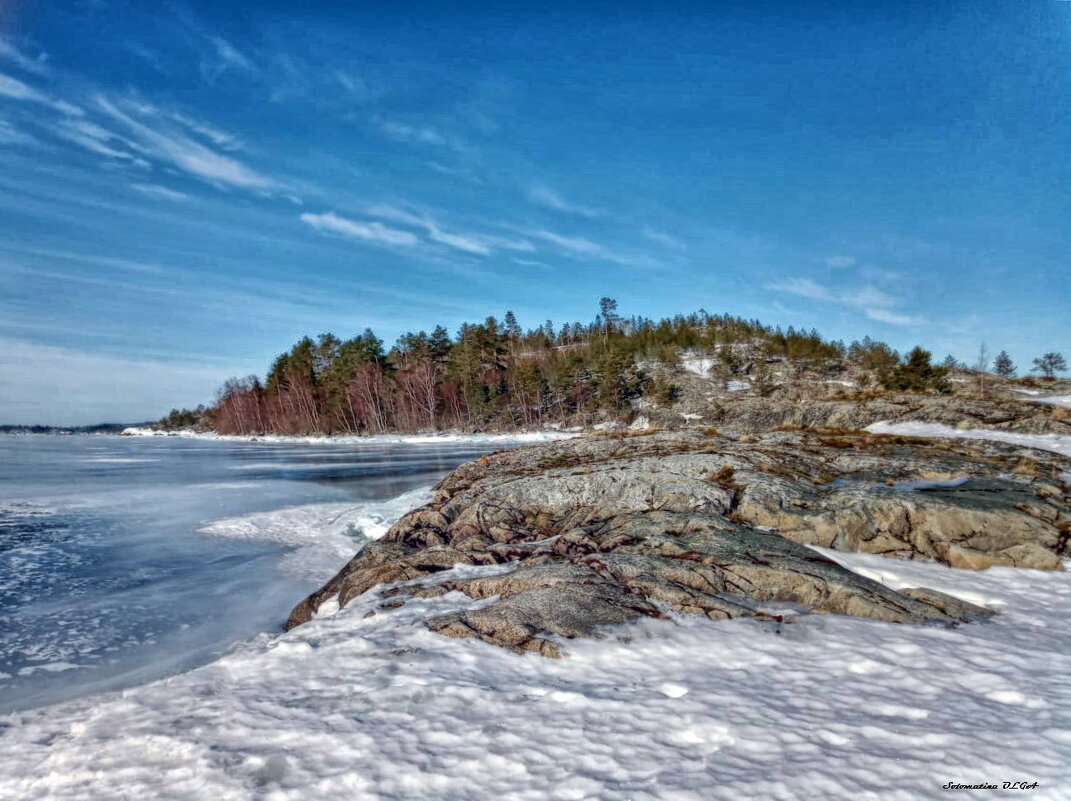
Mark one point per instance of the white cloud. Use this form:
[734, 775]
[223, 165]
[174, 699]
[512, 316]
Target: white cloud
[227, 58]
[356, 87]
[876, 304]
[545, 196]
[804, 287]
[56, 385]
[82, 259]
[221, 138]
[479, 244]
[21, 60]
[99, 140]
[416, 134]
[160, 191]
[574, 244]
[892, 318]
[17, 90]
[868, 296]
[9, 135]
[664, 239]
[840, 262]
[469, 243]
[585, 247]
[374, 232]
[188, 154]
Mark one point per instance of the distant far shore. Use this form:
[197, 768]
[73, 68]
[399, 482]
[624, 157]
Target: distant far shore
[342, 439]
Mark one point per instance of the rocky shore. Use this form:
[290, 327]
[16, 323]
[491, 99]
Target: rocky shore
[602, 530]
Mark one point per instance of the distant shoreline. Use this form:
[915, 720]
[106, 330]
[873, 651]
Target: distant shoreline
[99, 428]
[355, 439]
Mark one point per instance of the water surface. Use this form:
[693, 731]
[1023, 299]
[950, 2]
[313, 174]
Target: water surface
[107, 578]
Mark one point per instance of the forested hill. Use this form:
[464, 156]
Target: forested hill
[495, 375]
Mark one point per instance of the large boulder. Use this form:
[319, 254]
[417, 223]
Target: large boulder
[598, 531]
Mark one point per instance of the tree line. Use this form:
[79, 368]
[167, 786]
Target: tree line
[495, 374]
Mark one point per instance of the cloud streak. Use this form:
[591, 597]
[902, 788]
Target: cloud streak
[170, 145]
[664, 239]
[543, 195]
[874, 303]
[160, 191]
[15, 89]
[413, 134]
[9, 52]
[373, 232]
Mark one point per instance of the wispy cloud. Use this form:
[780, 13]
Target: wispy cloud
[166, 143]
[151, 57]
[16, 90]
[225, 58]
[574, 244]
[372, 231]
[840, 262]
[545, 196]
[892, 318]
[873, 302]
[414, 134]
[160, 191]
[99, 140]
[357, 88]
[475, 243]
[10, 135]
[9, 52]
[583, 247]
[213, 134]
[464, 242]
[664, 239]
[82, 259]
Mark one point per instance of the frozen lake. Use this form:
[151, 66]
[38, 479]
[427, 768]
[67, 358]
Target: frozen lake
[124, 559]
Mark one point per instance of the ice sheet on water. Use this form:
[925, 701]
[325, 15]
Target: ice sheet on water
[102, 564]
[324, 536]
[378, 707]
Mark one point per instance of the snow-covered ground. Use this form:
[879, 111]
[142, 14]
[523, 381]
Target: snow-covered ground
[443, 438]
[1055, 400]
[377, 707]
[1056, 443]
[699, 365]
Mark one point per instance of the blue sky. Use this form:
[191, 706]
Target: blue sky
[186, 188]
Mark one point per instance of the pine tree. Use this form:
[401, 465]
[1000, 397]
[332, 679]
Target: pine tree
[917, 374]
[1003, 366]
[608, 315]
[762, 379]
[1049, 364]
[512, 329]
